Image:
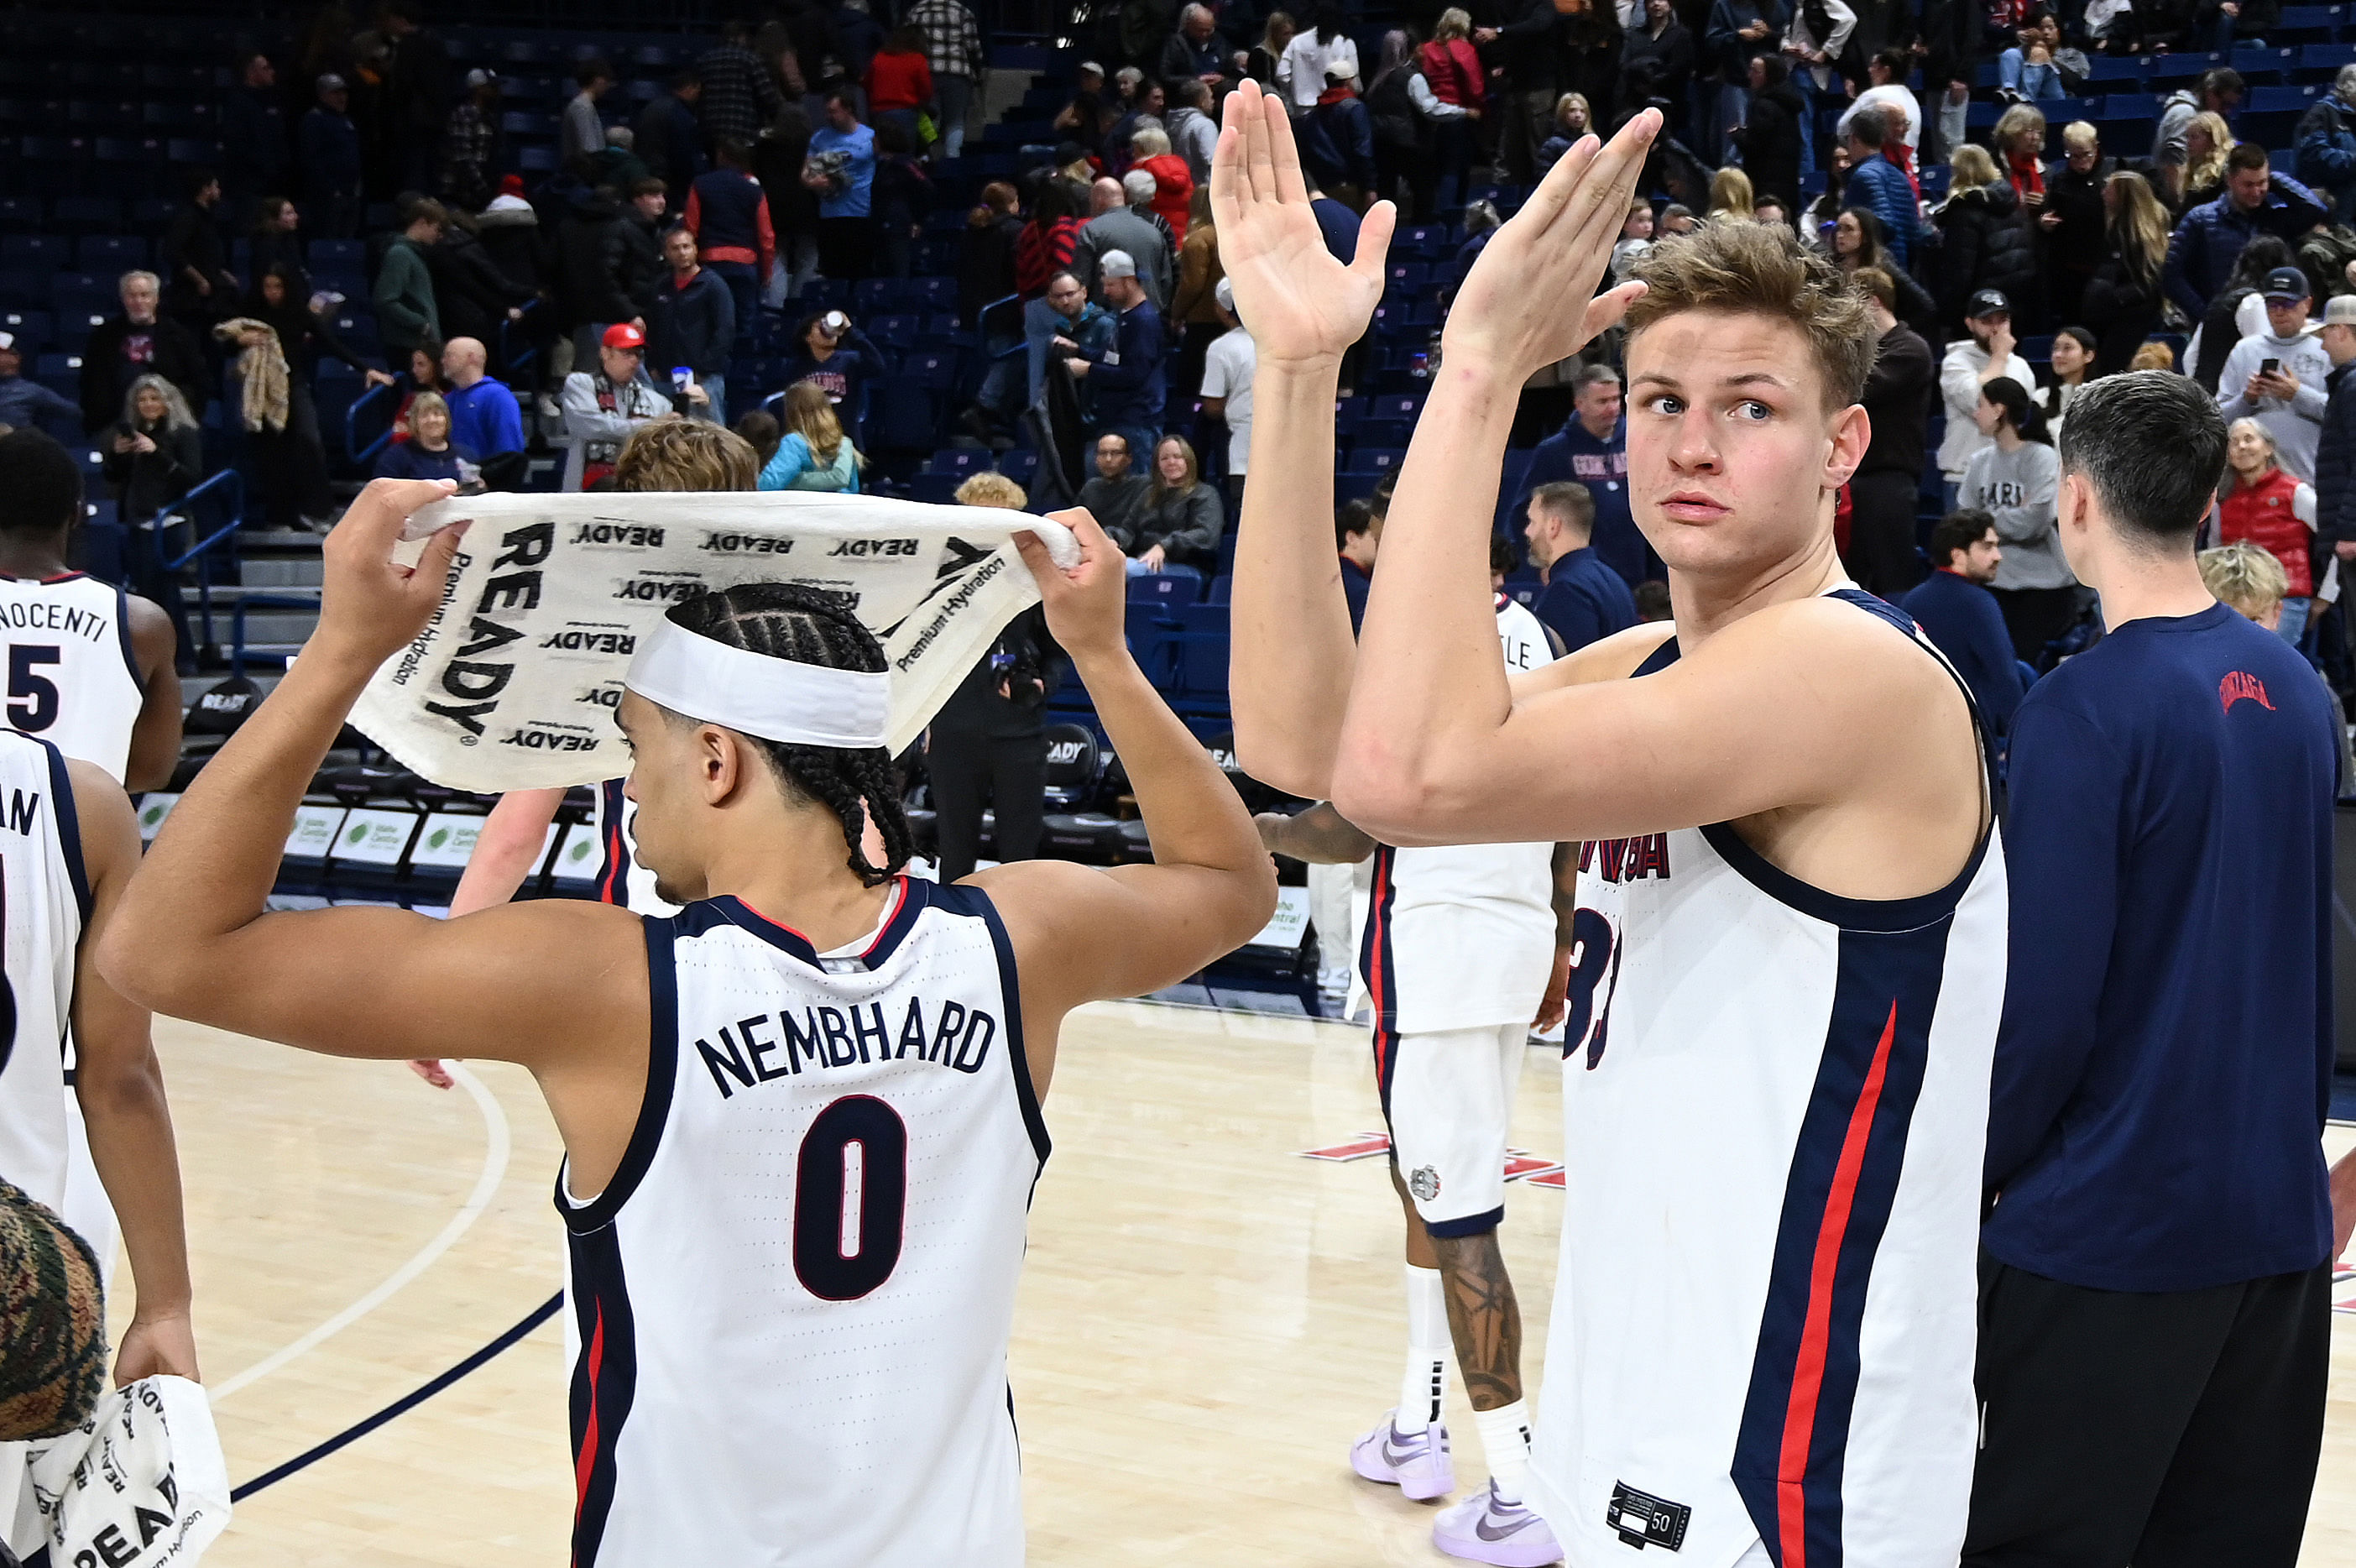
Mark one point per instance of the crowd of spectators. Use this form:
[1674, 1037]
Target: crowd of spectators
[2006, 264]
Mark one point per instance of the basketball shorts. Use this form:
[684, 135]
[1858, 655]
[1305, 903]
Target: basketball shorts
[1447, 1096]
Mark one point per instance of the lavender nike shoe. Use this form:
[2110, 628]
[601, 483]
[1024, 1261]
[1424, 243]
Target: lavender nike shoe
[1486, 1529]
[1417, 1463]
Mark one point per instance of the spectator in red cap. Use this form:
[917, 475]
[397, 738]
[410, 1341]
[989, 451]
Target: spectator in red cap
[603, 406]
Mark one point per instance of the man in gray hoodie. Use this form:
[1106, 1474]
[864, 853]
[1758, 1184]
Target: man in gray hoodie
[1194, 135]
[2276, 377]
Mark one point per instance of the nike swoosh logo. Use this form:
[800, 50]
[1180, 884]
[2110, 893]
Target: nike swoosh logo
[1481, 1526]
[1395, 1456]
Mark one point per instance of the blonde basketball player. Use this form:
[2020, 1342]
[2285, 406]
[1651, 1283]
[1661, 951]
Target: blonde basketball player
[801, 1119]
[1792, 952]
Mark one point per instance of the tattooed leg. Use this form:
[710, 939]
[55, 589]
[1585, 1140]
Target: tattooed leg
[1483, 1318]
[1418, 1240]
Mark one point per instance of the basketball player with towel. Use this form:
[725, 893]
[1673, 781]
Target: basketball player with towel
[1792, 920]
[670, 453]
[1464, 949]
[802, 1117]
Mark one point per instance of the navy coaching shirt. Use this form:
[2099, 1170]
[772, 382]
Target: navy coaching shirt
[2165, 1063]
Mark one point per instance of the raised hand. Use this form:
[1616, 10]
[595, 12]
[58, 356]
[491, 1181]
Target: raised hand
[1530, 299]
[1302, 307]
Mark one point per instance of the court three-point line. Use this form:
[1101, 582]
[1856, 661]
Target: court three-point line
[486, 1185]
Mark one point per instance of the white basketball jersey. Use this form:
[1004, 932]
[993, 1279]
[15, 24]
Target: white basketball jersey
[1775, 1111]
[792, 1300]
[72, 678]
[1461, 936]
[621, 879]
[46, 900]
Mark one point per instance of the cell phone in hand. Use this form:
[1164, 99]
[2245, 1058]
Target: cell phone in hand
[2268, 367]
[682, 378]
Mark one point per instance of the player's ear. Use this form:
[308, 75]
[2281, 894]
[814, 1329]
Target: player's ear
[720, 762]
[1852, 433]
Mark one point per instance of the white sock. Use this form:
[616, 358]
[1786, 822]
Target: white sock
[1506, 1439]
[1425, 1382]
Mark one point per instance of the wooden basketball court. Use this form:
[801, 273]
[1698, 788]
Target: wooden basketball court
[1207, 1320]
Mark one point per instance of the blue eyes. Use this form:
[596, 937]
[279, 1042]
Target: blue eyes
[1670, 407]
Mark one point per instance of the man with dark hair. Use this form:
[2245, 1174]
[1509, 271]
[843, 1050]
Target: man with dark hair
[2154, 1323]
[407, 313]
[1879, 186]
[1119, 488]
[1584, 601]
[2218, 92]
[2256, 200]
[200, 289]
[738, 97]
[1592, 448]
[1898, 400]
[671, 140]
[113, 696]
[693, 327]
[1953, 606]
[581, 131]
[1358, 537]
[1786, 962]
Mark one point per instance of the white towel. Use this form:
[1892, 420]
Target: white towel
[513, 683]
[142, 1482]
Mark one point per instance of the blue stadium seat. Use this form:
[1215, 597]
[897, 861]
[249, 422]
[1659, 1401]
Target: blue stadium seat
[1173, 589]
[2114, 68]
[933, 490]
[19, 212]
[1407, 277]
[155, 213]
[2174, 69]
[2130, 106]
[33, 329]
[517, 124]
[1020, 465]
[893, 332]
[958, 462]
[2308, 25]
[2281, 99]
[338, 253]
[1375, 435]
[82, 293]
[899, 417]
[2263, 66]
[2321, 63]
[110, 252]
[937, 369]
[871, 296]
[189, 150]
[1219, 588]
[36, 251]
[1395, 406]
[536, 159]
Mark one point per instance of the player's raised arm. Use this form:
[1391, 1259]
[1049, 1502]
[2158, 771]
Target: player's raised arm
[1289, 670]
[192, 939]
[121, 1091]
[1744, 373]
[1211, 886]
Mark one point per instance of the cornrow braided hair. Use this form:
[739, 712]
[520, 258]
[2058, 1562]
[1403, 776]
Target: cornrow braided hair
[811, 626]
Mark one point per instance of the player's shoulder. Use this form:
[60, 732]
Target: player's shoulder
[1865, 650]
[1613, 657]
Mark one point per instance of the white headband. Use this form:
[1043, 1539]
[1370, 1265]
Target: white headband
[776, 699]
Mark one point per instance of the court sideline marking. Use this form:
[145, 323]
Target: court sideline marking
[487, 1185]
